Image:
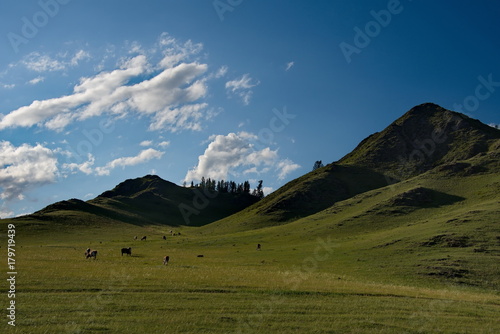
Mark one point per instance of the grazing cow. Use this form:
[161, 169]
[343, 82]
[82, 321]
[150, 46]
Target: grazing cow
[127, 251]
[258, 247]
[201, 255]
[166, 259]
[135, 238]
[143, 238]
[91, 253]
[164, 238]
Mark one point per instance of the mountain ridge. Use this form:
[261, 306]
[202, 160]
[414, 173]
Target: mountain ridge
[427, 138]
[382, 159]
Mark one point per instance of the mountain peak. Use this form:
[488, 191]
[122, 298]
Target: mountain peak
[424, 137]
[132, 187]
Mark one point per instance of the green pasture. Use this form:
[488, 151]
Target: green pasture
[287, 287]
[368, 264]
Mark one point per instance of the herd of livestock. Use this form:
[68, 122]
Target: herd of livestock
[92, 253]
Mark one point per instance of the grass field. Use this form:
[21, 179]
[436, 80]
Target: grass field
[374, 263]
[233, 288]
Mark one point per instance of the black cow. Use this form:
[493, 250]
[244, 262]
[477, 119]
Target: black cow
[143, 238]
[127, 251]
[166, 259]
[91, 253]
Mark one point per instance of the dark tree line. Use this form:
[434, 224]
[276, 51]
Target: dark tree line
[231, 187]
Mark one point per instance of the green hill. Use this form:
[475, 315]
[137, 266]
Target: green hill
[148, 200]
[426, 138]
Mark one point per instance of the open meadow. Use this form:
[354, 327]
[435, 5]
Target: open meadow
[293, 284]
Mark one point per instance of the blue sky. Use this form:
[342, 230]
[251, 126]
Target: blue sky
[96, 92]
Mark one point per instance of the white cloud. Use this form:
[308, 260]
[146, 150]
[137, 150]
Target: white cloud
[185, 117]
[166, 96]
[493, 125]
[242, 88]
[221, 72]
[267, 190]
[146, 143]
[289, 65]
[5, 212]
[36, 80]
[164, 144]
[38, 62]
[42, 63]
[135, 47]
[143, 157]
[79, 55]
[175, 52]
[285, 167]
[234, 154]
[25, 167]
[8, 86]
[85, 167]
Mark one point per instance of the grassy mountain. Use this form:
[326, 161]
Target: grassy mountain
[423, 138]
[427, 137]
[148, 200]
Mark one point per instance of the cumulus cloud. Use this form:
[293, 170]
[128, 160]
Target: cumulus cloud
[143, 157]
[242, 88]
[86, 167]
[233, 154]
[167, 97]
[25, 167]
[285, 167]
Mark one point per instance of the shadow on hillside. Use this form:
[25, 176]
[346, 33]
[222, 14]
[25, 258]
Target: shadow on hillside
[320, 190]
[423, 197]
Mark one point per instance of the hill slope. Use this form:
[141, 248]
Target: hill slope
[148, 200]
[426, 137]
